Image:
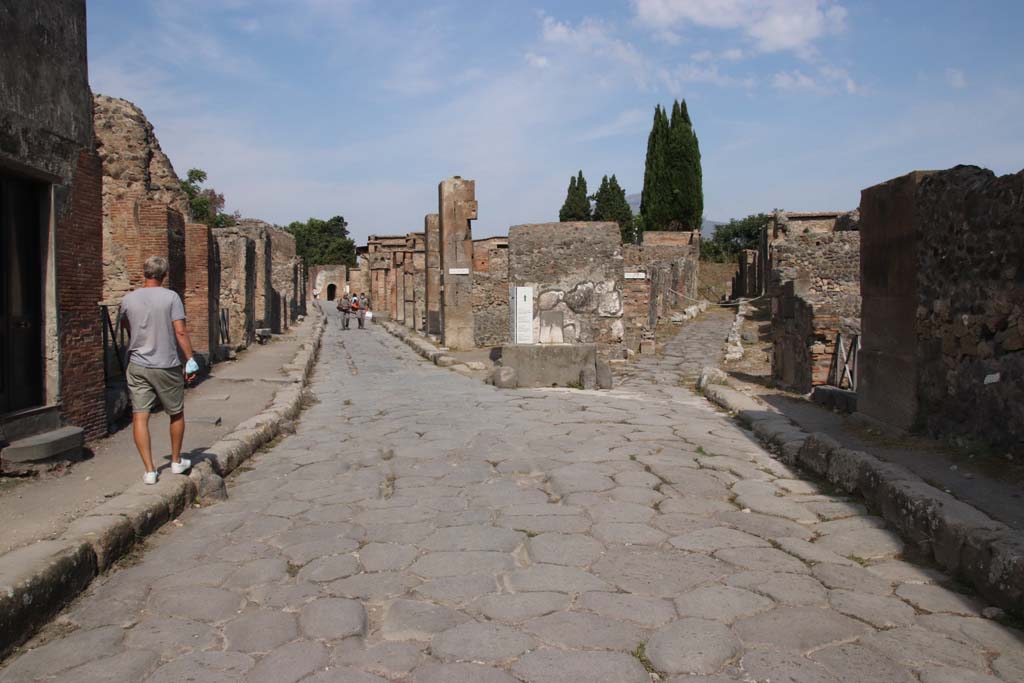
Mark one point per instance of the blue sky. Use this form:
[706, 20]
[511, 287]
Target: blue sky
[300, 108]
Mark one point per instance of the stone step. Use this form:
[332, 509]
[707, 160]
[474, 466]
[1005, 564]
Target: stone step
[64, 442]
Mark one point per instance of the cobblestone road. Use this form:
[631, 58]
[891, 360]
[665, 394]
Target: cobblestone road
[423, 527]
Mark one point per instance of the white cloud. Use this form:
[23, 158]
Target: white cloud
[956, 78]
[773, 25]
[701, 72]
[535, 60]
[592, 37]
[827, 80]
[629, 121]
[794, 80]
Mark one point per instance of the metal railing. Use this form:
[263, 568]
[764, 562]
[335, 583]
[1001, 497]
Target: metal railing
[843, 371]
[114, 342]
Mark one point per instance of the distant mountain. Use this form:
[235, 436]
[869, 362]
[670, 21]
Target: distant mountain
[706, 229]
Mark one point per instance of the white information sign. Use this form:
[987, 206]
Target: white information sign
[636, 276]
[458, 271]
[522, 315]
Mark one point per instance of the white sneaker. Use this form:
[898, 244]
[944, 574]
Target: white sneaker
[181, 466]
[149, 478]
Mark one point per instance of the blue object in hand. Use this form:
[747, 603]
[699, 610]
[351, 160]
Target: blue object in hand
[191, 367]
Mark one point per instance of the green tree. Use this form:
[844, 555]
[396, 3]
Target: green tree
[205, 203]
[610, 205]
[733, 237]
[673, 196]
[654, 197]
[321, 242]
[577, 202]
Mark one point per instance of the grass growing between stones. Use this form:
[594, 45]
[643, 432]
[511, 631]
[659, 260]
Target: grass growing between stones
[641, 655]
[529, 534]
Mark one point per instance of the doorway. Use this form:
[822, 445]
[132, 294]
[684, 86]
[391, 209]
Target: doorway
[22, 276]
[332, 291]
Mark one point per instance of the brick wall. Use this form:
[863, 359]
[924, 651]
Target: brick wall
[670, 262]
[202, 287]
[79, 256]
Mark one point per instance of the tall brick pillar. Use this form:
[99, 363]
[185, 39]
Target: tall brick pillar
[409, 302]
[456, 208]
[79, 255]
[161, 232]
[432, 228]
[398, 298]
[202, 287]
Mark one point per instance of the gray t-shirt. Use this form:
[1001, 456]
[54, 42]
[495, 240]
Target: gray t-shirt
[151, 312]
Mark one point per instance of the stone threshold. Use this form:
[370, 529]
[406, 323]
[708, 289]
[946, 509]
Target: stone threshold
[965, 542]
[38, 580]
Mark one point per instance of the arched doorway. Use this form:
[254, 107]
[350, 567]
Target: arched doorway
[332, 290]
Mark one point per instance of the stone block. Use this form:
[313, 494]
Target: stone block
[504, 377]
[604, 375]
[545, 365]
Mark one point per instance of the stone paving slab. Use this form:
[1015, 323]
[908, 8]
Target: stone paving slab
[423, 526]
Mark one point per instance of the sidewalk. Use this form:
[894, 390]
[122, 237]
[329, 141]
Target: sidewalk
[42, 509]
[61, 532]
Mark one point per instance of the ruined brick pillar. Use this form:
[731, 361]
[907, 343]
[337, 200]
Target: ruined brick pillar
[202, 287]
[409, 289]
[432, 228]
[145, 228]
[456, 208]
[398, 287]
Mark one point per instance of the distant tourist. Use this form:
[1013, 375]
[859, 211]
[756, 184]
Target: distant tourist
[364, 309]
[154, 317]
[345, 306]
[316, 293]
[357, 310]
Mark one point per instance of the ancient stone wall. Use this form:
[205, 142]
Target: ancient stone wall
[662, 278]
[815, 291]
[576, 270]
[944, 304]
[237, 287]
[328, 281]
[747, 283]
[285, 280]
[359, 280]
[457, 207]
[134, 166]
[46, 130]
[490, 292]
[259, 232]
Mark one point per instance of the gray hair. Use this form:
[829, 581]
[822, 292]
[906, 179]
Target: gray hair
[155, 268]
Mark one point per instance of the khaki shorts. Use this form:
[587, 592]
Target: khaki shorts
[149, 387]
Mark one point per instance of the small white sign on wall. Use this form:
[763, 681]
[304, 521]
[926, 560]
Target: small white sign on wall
[458, 271]
[522, 315]
[636, 276]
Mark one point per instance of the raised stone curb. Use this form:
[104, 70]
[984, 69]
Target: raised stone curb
[964, 541]
[419, 344]
[38, 580]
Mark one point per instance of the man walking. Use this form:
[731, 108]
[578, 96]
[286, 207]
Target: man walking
[345, 306]
[364, 306]
[155, 320]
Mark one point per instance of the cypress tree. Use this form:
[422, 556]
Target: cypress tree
[687, 180]
[655, 199]
[612, 206]
[673, 196]
[577, 203]
[565, 214]
[619, 210]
